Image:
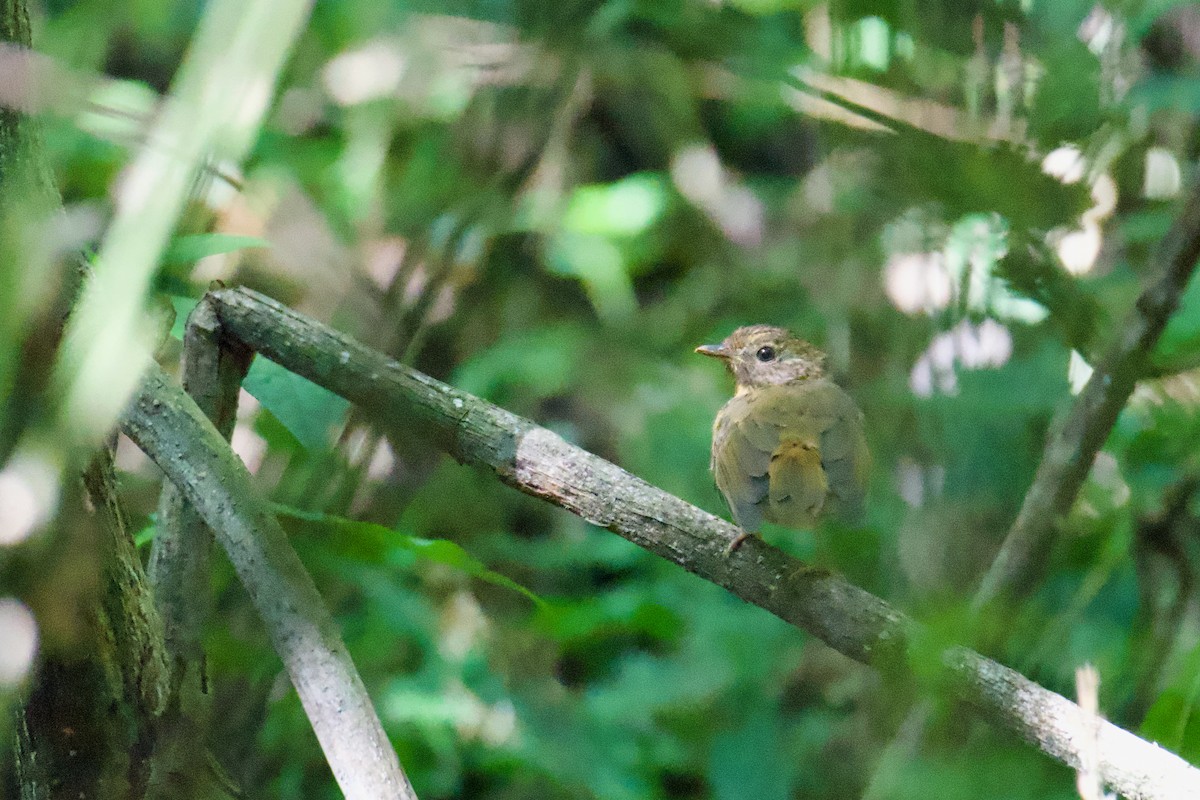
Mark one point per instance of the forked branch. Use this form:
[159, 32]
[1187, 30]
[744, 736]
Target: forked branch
[542, 464]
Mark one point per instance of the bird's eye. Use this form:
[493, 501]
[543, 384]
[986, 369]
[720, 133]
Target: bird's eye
[766, 353]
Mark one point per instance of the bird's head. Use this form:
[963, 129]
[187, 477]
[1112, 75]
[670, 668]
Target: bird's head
[764, 355]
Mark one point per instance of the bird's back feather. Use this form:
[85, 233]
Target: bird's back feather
[790, 454]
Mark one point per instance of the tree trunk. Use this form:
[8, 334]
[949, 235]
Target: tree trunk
[89, 720]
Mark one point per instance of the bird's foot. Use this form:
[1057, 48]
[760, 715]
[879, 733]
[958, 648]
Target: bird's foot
[736, 543]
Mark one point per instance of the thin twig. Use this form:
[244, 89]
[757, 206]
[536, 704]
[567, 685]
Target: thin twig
[1077, 437]
[1087, 689]
[539, 462]
[846, 104]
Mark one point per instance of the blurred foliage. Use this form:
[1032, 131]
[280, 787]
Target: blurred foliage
[550, 204]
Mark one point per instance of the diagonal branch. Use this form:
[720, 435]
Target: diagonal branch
[172, 430]
[540, 463]
[1077, 437]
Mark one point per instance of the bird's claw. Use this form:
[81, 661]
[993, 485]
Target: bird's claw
[736, 543]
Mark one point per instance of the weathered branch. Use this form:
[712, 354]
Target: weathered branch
[212, 374]
[1077, 437]
[173, 431]
[542, 464]
[179, 563]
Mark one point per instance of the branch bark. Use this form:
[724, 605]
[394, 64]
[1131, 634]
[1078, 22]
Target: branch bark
[179, 567]
[1075, 440]
[539, 462]
[173, 431]
[178, 570]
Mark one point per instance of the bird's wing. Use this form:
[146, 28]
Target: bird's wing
[847, 462]
[741, 456]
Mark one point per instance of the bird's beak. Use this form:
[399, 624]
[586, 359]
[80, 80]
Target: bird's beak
[714, 350]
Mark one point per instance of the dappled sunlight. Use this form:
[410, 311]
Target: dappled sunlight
[919, 484]
[435, 66]
[963, 272]
[1065, 163]
[1107, 488]
[946, 121]
[987, 345]
[368, 72]
[249, 445]
[383, 460]
[1100, 29]
[464, 626]
[382, 259]
[699, 176]
[28, 497]
[34, 82]
[1079, 372]
[1079, 247]
[549, 206]
[918, 282]
[19, 633]
[1180, 391]
[452, 708]
[1164, 177]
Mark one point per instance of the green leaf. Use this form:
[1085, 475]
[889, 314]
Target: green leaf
[145, 536]
[542, 363]
[973, 250]
[767, 7]
[183, 306]
[599, 264]
[371, 536]
[749, 761]
[186, 249]
[1172, 720]
[965, 178]
[308, 411]
[1180, 343]
[1067, 105]
[1146, 226]
[624, 208]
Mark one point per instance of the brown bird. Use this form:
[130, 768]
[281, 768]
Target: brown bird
[789, 447]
